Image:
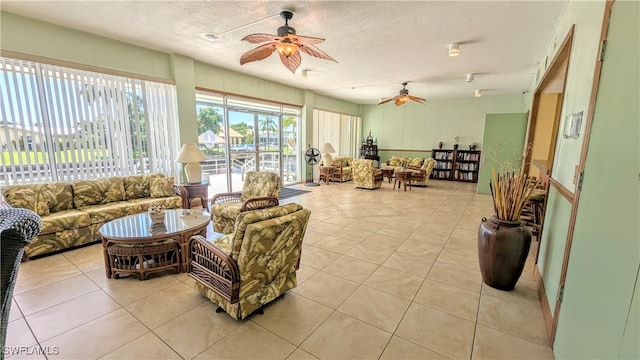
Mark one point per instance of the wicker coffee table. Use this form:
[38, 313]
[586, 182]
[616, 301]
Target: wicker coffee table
[137, 245]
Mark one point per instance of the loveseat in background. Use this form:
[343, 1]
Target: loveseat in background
[72, 212]
[343, 168]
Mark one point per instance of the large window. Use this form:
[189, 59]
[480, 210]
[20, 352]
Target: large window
[62, 124]
[246, 135]
[339, 130]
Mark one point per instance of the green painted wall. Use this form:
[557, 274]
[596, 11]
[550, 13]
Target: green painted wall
[503, 146]
[554, 238]
[39, 38]
[599, 314]
[420, 127]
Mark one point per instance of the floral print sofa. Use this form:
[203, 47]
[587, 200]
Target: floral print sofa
[343, 173]
[72, 213]
[255, 264]
[397, 161]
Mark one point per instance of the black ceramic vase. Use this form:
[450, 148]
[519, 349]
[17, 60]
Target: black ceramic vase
[503, 247]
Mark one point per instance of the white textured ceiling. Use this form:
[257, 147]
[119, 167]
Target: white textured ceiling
[377, 45]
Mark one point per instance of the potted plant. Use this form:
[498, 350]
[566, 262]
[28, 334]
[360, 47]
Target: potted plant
[504, 240]
[457, 140]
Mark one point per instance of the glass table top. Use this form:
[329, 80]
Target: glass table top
[142, 226]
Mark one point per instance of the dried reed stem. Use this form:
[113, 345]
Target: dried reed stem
[510, 193]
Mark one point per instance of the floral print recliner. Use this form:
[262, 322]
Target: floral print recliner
[72, 213]
[256, 263]
[261, 189]
[365, 175]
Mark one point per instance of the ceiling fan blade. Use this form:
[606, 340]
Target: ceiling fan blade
[291, 62]
[384, 101]
[314, 51]
[258, 38]
[417, 99]
[308, 40]
[259, 53]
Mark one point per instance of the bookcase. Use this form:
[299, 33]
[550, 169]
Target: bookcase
[455, 165]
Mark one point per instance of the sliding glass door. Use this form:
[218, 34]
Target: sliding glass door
[251, 135]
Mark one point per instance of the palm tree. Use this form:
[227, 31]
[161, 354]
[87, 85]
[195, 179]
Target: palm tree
[290, 122]
[268, 124]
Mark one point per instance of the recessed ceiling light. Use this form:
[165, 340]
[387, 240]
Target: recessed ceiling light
[454, 49]
[210, 37]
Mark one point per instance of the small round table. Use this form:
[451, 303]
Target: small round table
[135, 244]
[326, 173]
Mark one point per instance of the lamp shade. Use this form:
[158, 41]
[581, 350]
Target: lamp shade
[327, 148]
[190, 153]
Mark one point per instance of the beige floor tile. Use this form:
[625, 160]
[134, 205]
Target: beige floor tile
[524, 293]
[524, 321]
[15, 312]
[311, 237]
[40, 272]
[249, 341]
[469, 245]
[317, 258]
[396, 230]
[98, 337]
[457, 276]
[54, 294]
[293, 317]
[99, 277]
[399, 348]
[412, 264]
[449, 298]
[426, 251]
[343, 337]
[86, 258]
[351, 269]
[185, 278]
[375, 307]
[84, 309]
[339, 220]
[349, 233]
[325, 228]
[194, 331]
[130, 289]
[300, 354]
[465, 259]
[335, 244]
[316, 287]
[304, 273]
[19, 334]
[395, 282]
[431, 238]
[147, 346]
[366, 225]
[371, 253]
[157, 309]
[437, 331]
[470, 235]
[384, 240]
[492, 344]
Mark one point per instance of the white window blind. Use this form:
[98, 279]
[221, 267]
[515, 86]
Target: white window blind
[340, 130]
[62, 124]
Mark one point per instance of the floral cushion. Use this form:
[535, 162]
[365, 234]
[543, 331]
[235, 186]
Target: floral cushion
[64, 220]
[224, 216]
[40, 198]
[98, 191]
[170, 202]
[107, 212]
[138, 186]
[259, 184]
[365, 175]
[395, 161]
[415, 162]
[161, 187]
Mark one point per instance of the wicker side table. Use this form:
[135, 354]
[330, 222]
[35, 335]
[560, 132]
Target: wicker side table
[326, 173]
[143, 258]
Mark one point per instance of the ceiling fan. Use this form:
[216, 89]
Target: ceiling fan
[403, 97]
[286, 42]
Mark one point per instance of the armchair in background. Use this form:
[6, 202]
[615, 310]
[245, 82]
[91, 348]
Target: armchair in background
[261, 189]
[17, 228]
[365, 175]
[243, 271]
[422, 178]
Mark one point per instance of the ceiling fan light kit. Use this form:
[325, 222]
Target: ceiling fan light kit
[403, 97]
[288, 44]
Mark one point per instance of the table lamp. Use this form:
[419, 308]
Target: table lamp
[191, 155]
[327, 149]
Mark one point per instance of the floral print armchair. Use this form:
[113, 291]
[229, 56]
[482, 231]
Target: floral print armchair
[261, 189]
[244, 270]
[422, 179]
[365, 175]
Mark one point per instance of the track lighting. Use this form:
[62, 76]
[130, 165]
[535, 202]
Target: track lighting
[304, 74]
[470, 77]
[478, 93]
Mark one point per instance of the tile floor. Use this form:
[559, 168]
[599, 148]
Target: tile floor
[385, 274]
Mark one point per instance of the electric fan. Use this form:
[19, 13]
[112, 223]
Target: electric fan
[312, 157]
